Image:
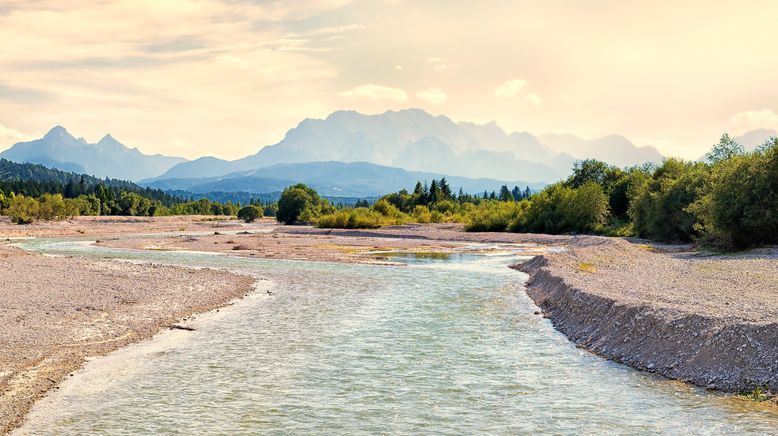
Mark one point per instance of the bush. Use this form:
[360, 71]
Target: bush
[359, 218]
[492, 216]
[422, 214]
[386, 209]
[22, 210]
[249, 213]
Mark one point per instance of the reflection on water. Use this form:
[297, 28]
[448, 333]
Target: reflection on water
[446, 346]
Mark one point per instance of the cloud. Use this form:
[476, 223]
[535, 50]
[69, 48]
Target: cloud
[534, 99]
[510, 88]
[433, 95]
[438, 64]
[9, 137]
[762, 118]
[376, 92]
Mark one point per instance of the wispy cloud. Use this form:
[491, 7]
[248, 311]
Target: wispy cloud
[534, 99]
[376, 92]
[757, 118]
[9, 137]
[511, 88]
[433, 95]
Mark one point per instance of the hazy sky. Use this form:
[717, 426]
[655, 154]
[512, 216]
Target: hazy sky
[195, 77]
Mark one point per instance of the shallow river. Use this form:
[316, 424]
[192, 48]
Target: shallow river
[445, 346]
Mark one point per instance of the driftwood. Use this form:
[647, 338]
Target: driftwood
[181, 327]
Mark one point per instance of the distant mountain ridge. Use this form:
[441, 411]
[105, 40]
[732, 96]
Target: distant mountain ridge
[106, 158]
[335, 179]
[411, 139]
[416, 140]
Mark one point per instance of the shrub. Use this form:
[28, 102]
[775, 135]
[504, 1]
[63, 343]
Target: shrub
[422, 214]
[22, 210]
[359, 218]
[386, 209]
[249, 213]
[491, 216]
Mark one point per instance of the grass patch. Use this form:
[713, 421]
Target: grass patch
[587, 267]
[436, 255]
[758, 394]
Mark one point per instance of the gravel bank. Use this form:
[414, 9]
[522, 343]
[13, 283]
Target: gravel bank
[56, 312]
[711, 321]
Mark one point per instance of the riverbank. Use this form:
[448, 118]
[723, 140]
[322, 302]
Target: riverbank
[56, 312]
[707, 320]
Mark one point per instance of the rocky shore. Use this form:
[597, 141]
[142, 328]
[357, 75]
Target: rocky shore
[707, 320]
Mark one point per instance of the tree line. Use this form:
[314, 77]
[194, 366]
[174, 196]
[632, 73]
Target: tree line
[728, 201]
[29, 192]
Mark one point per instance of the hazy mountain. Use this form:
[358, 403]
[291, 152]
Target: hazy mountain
[338, 179]
[614, 149]
[415, 140]
[753, 139]
[106, 158]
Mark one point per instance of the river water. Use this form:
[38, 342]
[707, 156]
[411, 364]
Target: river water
[442, 346]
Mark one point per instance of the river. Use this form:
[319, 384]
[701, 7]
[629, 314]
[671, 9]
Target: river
[445, 346]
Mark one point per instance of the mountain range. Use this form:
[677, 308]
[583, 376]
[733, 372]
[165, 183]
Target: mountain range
[416, 140]
[106, 158]
[384, 151]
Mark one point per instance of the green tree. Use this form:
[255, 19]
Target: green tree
[249, 213]
[505, 194]
[725, 149]
[297, 202]
[739, 209]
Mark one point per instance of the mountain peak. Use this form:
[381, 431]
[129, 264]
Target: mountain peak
[57, 132]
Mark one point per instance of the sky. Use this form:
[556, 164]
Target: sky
[224, 78]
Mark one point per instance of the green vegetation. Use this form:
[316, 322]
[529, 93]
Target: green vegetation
[729, 202]
[759, 394]
[31, 192]
[249, 213]
[301, 204]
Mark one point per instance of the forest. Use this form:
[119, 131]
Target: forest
[30, 192]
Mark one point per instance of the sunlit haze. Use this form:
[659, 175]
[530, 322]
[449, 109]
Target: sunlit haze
[224, 78]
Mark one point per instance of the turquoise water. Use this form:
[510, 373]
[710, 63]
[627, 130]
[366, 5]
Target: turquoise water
[442, 346]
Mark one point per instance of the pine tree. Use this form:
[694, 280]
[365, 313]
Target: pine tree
[418, 190]
[516, 193]
[527, 192]
[505, 194]
[445, 189]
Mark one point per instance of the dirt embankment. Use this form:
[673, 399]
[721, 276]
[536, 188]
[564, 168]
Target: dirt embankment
[711, 321]
[56, 312]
